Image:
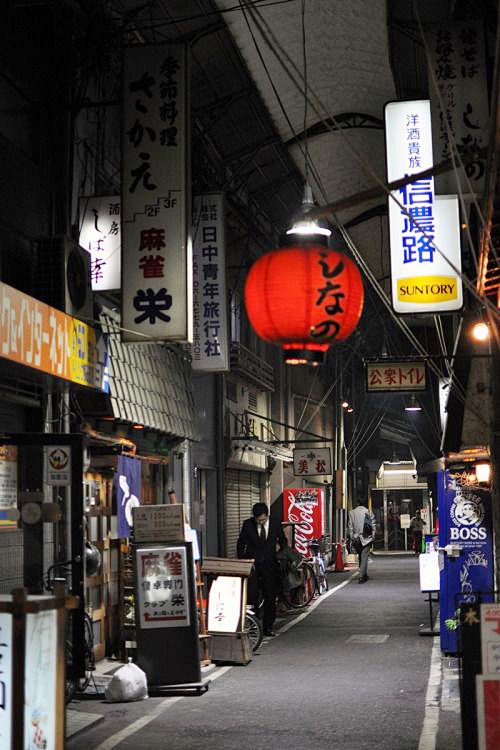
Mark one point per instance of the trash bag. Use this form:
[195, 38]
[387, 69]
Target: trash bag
[128, 684]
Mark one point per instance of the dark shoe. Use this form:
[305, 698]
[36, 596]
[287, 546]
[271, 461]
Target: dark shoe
[362, 580]
[269, 633]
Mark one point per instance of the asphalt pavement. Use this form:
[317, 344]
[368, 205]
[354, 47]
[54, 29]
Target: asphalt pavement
[351, 673]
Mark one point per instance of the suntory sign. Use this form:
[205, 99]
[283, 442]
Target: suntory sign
[425, 260]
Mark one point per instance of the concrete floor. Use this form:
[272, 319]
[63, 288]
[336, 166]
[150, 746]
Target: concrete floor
[351, 675]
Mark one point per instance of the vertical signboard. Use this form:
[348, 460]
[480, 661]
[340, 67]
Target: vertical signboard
[156, 251]
[210, 349]
[305, 507]
[422, 280]
[459, 99]
[41, 680]
[465, 529]
[100, 236]
[6, 646]
[8, 485]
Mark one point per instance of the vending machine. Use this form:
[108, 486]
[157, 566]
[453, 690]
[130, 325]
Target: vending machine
[465, 547]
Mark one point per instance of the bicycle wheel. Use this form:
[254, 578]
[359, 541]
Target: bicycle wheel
[253, 627]
[83, 683]
[302, 595]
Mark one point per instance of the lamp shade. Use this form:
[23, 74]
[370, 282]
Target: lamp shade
[304, 298]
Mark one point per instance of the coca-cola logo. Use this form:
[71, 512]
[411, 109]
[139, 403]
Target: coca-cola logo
[301, 511]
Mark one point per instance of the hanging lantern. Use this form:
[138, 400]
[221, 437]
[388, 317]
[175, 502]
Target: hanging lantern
[304, 298]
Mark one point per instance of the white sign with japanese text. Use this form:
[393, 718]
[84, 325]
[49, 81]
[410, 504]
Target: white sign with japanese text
[224, 604]
[459, 100]
[100, 235]
[422, 280]
[159, 523]
[162, 587]
[5, 679]
[490, 638]
[428, 564]
[395, 376]
[157, 273]
[41, 680]
[210, 348]
[404, 520]
[58, 465]
[309, 462]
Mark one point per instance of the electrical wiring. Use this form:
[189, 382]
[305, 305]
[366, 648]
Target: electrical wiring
[359, 448]
[331, 124]
[155, 25]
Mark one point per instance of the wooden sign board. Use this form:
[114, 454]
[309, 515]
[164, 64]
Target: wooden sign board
[226, 566]
[159, 523]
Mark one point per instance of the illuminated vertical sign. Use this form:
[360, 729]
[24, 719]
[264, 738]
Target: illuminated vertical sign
[210, 348]
[156, 247]
[100, 236]
[422, 280]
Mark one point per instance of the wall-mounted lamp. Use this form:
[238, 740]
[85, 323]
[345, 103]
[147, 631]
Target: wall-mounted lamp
[483, 473]
[480, 331]
[345, 404]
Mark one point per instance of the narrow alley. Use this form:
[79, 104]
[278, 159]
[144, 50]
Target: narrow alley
[351, 672]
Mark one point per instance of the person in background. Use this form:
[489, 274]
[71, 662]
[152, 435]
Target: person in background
[361, 532]
[417, 525]
[260, 538]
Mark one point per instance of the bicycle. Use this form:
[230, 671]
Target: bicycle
[299, 596]
[253, 627]
[317, 560]
[80, 684]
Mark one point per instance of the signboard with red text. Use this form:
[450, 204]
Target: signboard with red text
[305, 506]
[396, 376]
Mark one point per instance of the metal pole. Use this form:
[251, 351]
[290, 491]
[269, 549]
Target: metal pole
[386, 528]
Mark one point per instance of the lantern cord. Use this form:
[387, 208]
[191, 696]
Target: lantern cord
[306, 403]
[306, 93]
[331, 124]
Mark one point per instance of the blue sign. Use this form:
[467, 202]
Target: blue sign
[465, 522]
[127, 485]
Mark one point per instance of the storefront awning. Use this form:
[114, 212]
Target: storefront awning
[149, 385]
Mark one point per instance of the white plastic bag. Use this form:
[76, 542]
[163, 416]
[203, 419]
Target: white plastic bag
[128, 684]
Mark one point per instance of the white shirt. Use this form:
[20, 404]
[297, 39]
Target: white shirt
[266, 528]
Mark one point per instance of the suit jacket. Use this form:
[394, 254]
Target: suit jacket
[250, 545]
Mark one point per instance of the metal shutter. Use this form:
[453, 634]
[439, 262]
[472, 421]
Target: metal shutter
[242, 491]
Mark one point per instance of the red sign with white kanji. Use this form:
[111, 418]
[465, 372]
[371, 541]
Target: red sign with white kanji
[396, 376]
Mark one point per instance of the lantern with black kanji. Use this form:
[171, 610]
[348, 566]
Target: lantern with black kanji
[304, 298]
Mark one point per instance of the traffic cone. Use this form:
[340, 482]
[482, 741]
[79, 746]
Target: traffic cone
[339, 563]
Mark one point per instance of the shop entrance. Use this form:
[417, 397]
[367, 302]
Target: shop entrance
[390, 507]
[47, 505]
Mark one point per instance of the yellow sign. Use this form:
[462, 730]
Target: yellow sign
[48, 340]
[425, 289]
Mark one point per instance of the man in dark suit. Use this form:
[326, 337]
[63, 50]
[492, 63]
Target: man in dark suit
[259, 538]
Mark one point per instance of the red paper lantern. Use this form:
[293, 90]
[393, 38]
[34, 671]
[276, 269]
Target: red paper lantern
[304, 298]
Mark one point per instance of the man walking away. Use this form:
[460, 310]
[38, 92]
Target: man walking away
[361, 532]
[260, 536]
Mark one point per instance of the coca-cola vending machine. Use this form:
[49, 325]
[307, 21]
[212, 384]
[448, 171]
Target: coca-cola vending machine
[307, 507]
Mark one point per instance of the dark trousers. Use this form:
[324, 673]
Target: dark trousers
[417, 541]
[263, 584]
